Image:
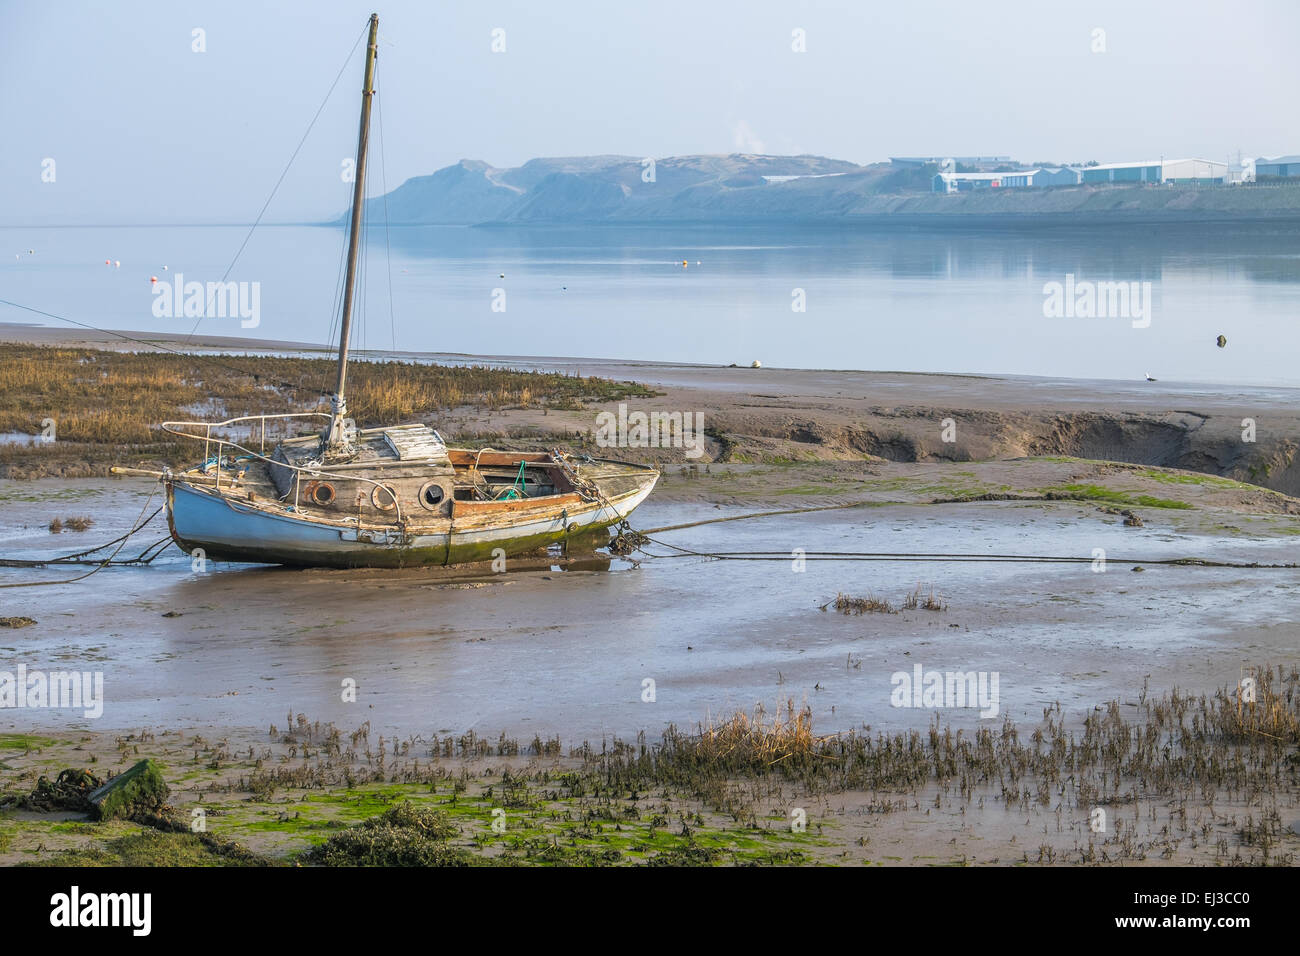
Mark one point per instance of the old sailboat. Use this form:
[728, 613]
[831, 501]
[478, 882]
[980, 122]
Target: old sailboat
[391, 496]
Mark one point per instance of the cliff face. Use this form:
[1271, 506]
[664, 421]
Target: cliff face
[743, 187]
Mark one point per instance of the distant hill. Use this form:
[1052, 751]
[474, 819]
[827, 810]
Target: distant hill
[743, 187]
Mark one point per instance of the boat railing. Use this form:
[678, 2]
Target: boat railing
[209, 440]
[206, 437]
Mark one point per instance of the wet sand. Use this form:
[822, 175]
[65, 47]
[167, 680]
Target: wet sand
[563, 646]
[561, 649]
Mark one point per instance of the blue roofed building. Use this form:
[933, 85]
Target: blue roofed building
[1281, 167]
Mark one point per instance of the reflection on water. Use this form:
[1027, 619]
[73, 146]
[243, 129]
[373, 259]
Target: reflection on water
[905, 299]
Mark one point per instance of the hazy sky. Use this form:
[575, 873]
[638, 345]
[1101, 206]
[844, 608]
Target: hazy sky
[142, 129]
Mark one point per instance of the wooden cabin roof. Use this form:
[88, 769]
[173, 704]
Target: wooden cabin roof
[413, 442]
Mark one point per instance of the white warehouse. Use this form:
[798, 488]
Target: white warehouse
[1158, 171]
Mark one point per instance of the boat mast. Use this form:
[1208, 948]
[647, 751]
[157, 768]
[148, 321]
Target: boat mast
[335, 438]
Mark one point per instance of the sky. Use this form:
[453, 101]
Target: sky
[143, 128]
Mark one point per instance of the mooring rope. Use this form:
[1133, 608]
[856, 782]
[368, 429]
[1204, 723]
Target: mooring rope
[78, 557]
[936, 556]
[631, 539]
[75, 557]
[768, 514]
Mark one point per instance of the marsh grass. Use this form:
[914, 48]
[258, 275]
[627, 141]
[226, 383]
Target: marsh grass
[150, 847]
[846, 604]
[928, 602]
[110, 403]
[1211, 774]
[81, 523]
[402, 836]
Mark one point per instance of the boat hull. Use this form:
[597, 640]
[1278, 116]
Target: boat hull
[223, 528]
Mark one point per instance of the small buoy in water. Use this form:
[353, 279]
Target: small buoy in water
[153, 279]
[108, 262]
[164, 268]
[756, 364]
[1221, 341]
[117, 263]
[502, 276]
[684, 263]
[31, 252]
[697, 262]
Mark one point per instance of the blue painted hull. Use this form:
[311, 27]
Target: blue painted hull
[225, 529]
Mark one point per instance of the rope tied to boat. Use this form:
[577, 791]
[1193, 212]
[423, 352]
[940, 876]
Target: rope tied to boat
[635, 541]
[143, 558]
[629, 540]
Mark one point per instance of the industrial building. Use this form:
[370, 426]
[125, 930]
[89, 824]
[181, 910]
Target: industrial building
[1193, 171]
[1154, 171]
[1019, 179]
[1042, 177]
[1158, 171]
[1147, 172]
[964, 182]
[1281, 167]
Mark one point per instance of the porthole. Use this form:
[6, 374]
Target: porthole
[320, 493]
[431, 495]
[383, 498]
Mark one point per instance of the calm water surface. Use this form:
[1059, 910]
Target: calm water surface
[907, 300]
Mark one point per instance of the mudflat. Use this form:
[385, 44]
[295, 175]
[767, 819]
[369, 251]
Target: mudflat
[1108, 597]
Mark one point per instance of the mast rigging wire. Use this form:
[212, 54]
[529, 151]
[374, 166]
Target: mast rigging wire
[274, 189]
